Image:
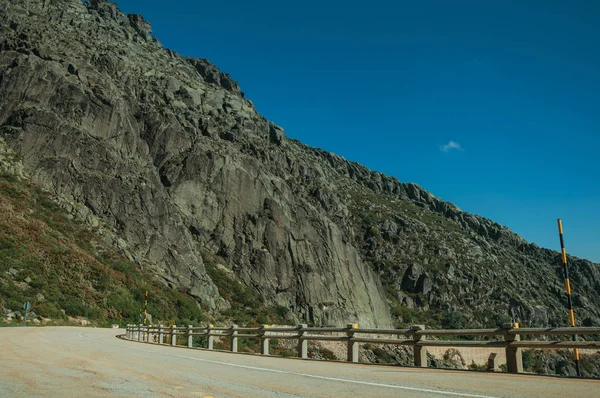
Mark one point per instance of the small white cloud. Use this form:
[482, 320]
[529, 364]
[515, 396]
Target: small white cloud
[451, 145]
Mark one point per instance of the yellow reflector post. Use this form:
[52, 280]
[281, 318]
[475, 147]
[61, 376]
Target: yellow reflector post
[568, 289]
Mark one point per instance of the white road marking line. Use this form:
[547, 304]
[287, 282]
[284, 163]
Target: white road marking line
[442, 392]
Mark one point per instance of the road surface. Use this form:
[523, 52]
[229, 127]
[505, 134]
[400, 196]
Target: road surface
[86, 362]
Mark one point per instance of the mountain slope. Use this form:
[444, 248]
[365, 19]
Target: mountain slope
[65, 269]
[167, 154]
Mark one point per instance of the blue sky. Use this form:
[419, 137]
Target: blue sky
[512, 88]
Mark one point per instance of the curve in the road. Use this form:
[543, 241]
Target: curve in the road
[73, 362]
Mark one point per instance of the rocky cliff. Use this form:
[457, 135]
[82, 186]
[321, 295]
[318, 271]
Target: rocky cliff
[169, 157]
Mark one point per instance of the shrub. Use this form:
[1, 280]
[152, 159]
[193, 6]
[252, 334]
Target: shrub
[124, 267]
[328, 354]
[122, 302]
[188, 309]
[383, 356]
[200, 341]
[6, 243]
[474, 366]
[452, 320]
[75, 307]
[48, 310]
[374, 231]
[286, 353]
[282, 312]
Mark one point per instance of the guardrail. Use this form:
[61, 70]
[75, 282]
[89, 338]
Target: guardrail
[415, 336]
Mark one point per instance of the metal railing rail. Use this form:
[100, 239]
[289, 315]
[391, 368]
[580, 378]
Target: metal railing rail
[415, 336]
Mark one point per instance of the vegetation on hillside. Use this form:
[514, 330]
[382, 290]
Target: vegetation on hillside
[560, 362]
[65, 269]
[248, 307]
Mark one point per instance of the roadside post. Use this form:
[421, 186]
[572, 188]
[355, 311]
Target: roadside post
[173, 335]
[419, 352]
[568, 289]
[352, 346]
[26, 308]
[234, 338]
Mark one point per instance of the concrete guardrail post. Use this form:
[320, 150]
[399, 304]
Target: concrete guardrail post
[139, 333]
[148, 333]
[264, 340]
[174, 335]
[493, 365]
[190, 336]
[514, 355]
[302, 343]
[234, 338]
[160, 334]
[211, 339]
[127, 332]
[420, 353]
[352, 345]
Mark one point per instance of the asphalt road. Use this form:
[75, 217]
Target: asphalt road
[85, 362]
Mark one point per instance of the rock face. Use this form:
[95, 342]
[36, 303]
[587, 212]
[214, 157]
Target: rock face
[153, 145]
[166, 152]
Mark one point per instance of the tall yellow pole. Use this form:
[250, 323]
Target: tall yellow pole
[568, 288]
[146, 308]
